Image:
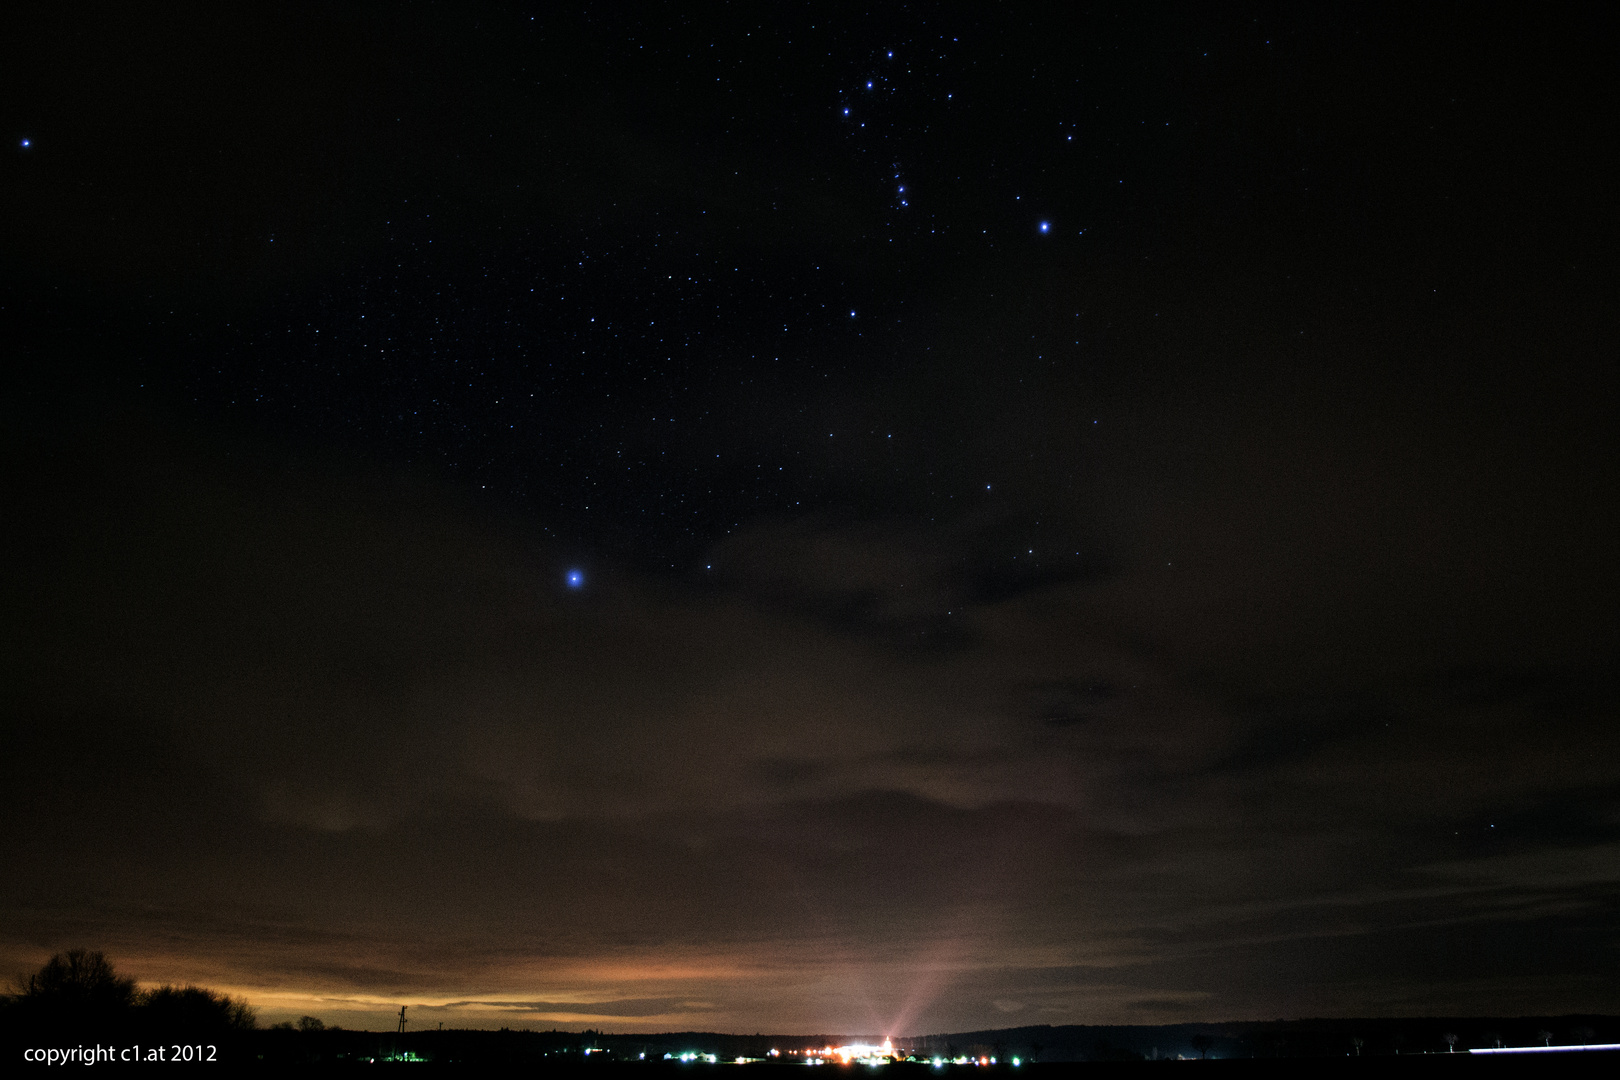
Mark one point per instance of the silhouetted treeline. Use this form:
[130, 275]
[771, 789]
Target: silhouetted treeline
[79, 996]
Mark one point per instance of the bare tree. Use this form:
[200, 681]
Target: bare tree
[1545, 1036]
[1358, 1042]
[1202, 1044]
[1451, 1041]
[75, 992]
[80, 978]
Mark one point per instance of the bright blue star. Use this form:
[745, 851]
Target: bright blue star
[576, 579]
[852, 314]
[26, 143]
[1046, 226]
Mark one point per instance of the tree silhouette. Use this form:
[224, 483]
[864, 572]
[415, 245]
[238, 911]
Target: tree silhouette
[1202, 1044]
[76, 991]
[1358, 1042]
[1450, 1038]
[80, 979]
[193, 1011]
[80, 994]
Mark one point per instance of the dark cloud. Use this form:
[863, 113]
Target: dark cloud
[346, 705]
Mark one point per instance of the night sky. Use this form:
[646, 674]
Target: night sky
[803, 518]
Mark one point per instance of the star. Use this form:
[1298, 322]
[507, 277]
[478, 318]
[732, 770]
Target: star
[1046, 226]
[576, 579]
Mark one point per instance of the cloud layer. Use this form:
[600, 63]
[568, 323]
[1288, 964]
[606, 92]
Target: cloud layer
[334, 739]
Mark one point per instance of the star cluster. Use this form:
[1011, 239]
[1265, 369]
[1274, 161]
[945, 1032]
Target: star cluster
[663, 362]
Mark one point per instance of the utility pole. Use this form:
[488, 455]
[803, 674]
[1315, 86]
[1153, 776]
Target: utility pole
[402, 1009]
